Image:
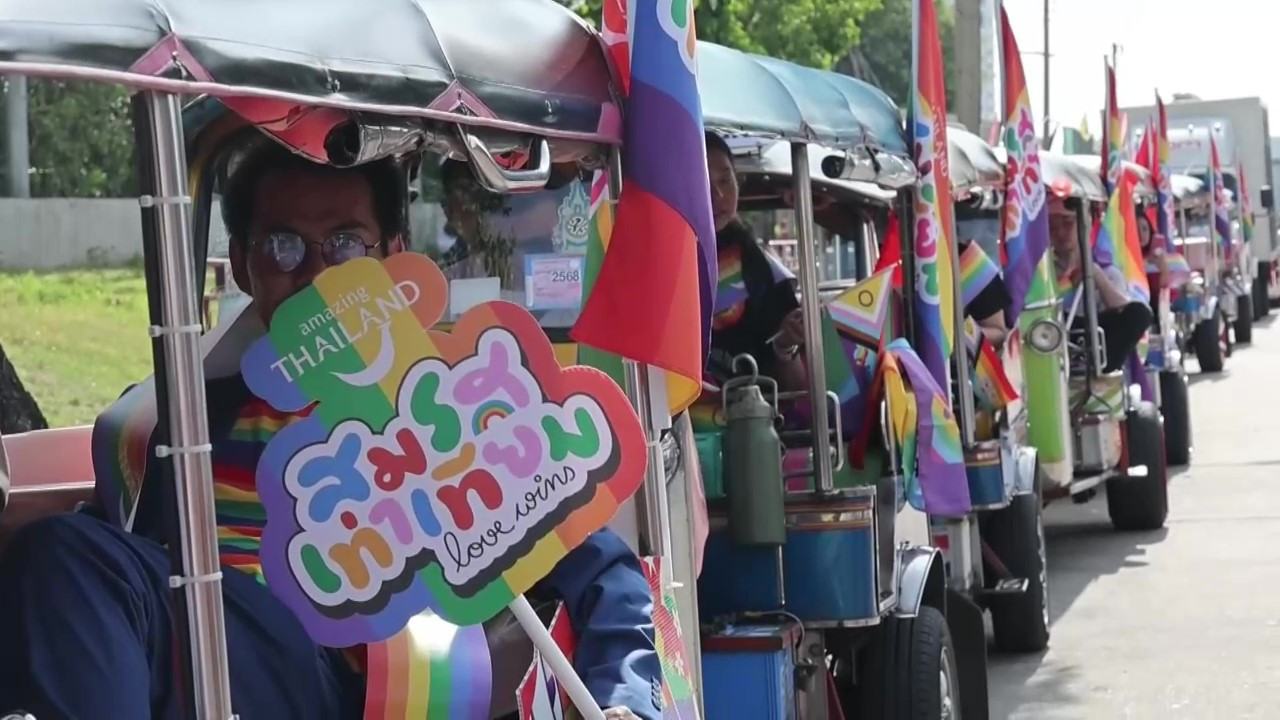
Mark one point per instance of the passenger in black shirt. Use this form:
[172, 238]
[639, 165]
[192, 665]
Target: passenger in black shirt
[756, 311]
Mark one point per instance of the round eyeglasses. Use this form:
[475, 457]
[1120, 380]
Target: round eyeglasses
[287, 250]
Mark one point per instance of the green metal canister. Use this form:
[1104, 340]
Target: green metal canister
[752, 460]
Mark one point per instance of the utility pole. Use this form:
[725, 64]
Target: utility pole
[1047, 126]
[18, 139]
[969, 89]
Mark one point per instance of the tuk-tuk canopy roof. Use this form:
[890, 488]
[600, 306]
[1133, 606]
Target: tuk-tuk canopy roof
[1067, 175]
[755, 157]
[1185, 186]
[1145, 186]
[757, 95]
[520, 65]
[974, 163]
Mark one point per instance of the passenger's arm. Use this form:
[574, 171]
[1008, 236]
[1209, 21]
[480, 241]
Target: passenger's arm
[611, 610]
[1111, 296]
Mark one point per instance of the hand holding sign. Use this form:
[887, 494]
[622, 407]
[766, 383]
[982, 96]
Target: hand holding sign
[448, 471]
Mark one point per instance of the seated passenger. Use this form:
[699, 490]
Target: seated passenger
[756, 310]
[86, 610]
[1123, 319]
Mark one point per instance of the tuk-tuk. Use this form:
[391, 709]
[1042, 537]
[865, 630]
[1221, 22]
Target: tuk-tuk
[410, 83]
[1006, 569]
[833, 582]
[1118, 437]
[1205, 310]
[1164, 347]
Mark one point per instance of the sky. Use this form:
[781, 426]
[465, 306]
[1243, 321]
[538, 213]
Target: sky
[1172, 45]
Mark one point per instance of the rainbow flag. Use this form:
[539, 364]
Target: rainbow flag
[991, 385]
[1112, 135]
[977, 271]
[927, 433]
[1221, 216]
[854, 327]
[1025, 231]
[935, 294]
[679, 701]
[433, 670]
[1179, 268]
[1165, 222]
[663, 245]
[1117, 241]
[599, 234]
[1246, 210]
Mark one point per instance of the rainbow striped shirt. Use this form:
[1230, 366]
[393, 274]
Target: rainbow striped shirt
[240, 514]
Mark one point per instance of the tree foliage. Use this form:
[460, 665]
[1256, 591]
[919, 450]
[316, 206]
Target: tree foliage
[886, 45]
[81, 139]
[810, 32]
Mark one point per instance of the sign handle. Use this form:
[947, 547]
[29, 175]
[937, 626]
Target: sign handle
[551, 652]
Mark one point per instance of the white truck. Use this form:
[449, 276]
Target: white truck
[1241, 128]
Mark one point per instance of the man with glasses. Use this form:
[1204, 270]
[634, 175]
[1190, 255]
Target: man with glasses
[1123, 319]
[86, 611]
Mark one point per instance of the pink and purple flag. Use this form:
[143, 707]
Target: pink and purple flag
[662, 249]
[1025, 232]
[935, 290]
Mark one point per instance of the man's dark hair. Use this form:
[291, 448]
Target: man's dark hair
[386, 180]
[715, 142]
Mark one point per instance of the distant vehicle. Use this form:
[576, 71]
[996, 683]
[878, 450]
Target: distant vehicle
[1241, 128]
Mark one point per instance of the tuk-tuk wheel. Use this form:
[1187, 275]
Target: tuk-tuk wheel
[1142, 502]
[1016, 534]
[1244, 319]
[909, 670]
[1207, 340]
[1176, 407]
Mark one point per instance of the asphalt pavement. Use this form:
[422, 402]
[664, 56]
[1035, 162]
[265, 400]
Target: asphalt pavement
[1183, 622]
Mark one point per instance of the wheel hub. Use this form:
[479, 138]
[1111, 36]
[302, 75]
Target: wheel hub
[945, 683]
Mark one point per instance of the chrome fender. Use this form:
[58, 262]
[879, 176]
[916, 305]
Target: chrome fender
[921, 582]
[1019, 468]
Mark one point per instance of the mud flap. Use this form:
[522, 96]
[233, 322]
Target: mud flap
[969, 635]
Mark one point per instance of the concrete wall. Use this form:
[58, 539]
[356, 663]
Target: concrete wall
[51, 233]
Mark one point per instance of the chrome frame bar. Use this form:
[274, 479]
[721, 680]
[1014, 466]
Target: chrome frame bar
[1084, 225]
[180, 366]
[822, 466]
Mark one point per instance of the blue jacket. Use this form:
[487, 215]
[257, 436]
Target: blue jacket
[603, 588]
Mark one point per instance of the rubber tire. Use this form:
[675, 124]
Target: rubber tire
[1244, 319]
[1175, 399]
[1016, 534]
[1141, 503]
[1205, 341]
[899, 675]
[1261, 294]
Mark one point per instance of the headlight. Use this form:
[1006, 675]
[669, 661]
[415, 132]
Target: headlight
[1045, 336]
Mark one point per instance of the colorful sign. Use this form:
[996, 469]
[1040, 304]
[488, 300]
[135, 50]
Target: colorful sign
[553, 282]
[437, 470]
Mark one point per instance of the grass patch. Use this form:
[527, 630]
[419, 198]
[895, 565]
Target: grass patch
[77, 338]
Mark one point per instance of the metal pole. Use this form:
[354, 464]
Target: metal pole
[198, 578]
[1046, 73]
[19, 142]
[812, 320]
[655, 522]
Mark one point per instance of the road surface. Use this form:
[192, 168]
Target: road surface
[1183, 622]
